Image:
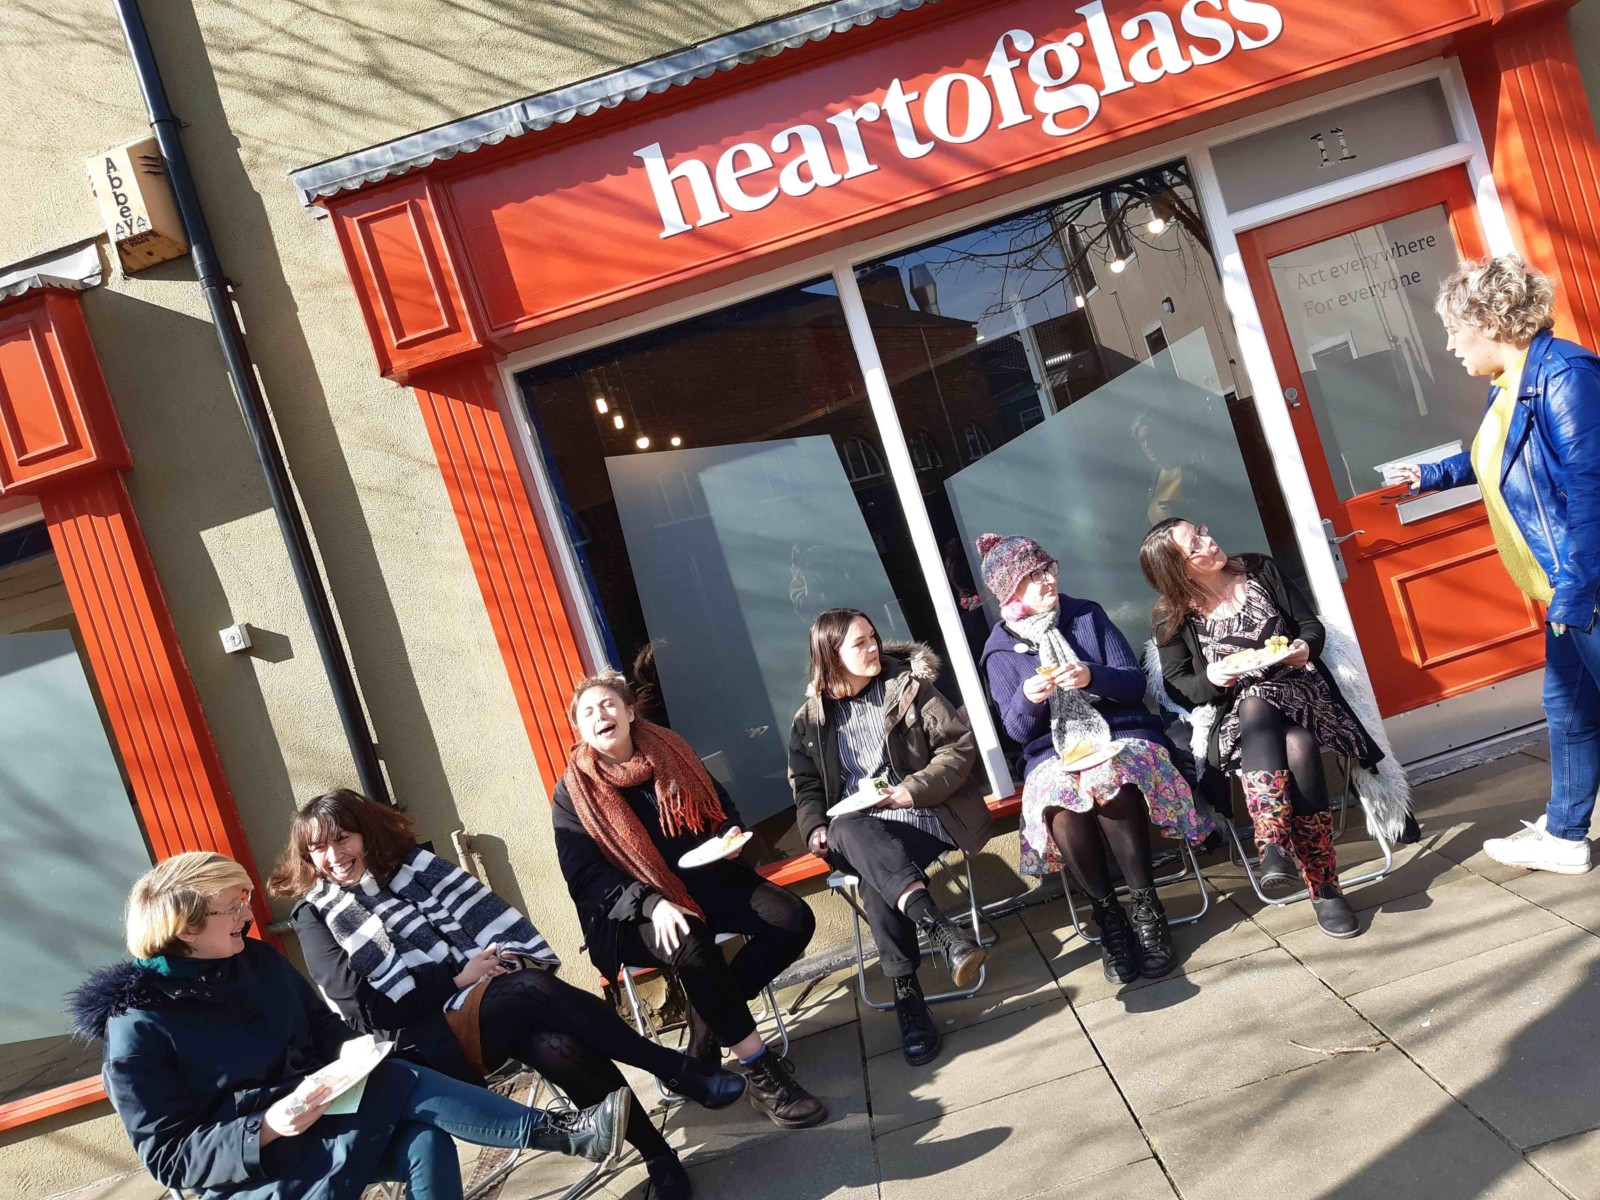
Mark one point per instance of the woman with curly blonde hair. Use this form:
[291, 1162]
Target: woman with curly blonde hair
[1537, 459]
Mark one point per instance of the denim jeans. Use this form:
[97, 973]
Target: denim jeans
[421, 1153]
[1572, 708]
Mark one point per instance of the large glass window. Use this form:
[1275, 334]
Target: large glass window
[70, 837]
[1077, 377]
[723, 481]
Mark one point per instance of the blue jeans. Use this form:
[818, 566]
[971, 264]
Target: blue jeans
[421, 1153]
[1572, 708]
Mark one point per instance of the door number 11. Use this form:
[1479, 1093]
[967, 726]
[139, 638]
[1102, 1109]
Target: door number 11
[1345, 153]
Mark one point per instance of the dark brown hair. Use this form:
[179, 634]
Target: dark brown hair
[386, 832]
[613, 681]
[1166, 568]
[826, 677]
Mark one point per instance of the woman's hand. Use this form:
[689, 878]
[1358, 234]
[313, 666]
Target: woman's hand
[485, 964]
[295, 1113]
[1074, 677]
[731, 834]
[1221, 676]
[1409, 474]
[670, 923]
[1037, 688]
[895, 797]
[1299, 654]
[818, 841]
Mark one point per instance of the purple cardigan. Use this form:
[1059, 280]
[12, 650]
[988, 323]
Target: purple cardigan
[1116, 680]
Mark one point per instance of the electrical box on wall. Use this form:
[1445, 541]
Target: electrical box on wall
[130, 184]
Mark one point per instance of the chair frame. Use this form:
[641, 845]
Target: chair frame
[849, 887]
[1190, 866]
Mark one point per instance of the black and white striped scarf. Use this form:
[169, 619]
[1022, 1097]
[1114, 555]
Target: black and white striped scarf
[431, 912]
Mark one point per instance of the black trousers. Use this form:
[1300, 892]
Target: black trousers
[777, 926]
[888, 857]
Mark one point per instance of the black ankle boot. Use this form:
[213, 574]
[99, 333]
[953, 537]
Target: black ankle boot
[1335, 915]
[709, 1087]
[592, 1133]
[668, 1179]
[1119, 956]
[703, 1046]
[1278, 874]
[919, 1036]
[1149, 919]
[775, 1094]
[965, 956]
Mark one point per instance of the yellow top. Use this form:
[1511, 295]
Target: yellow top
[1488, 451]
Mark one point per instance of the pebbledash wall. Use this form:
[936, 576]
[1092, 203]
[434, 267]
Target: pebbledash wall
[381, 334]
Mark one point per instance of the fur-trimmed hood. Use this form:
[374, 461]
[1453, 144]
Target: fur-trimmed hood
[110, 992]
[904, 664]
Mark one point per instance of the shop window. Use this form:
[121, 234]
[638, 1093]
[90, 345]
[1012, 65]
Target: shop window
[731, 489]
[1082, 424]
[925, 454]
[69, 833]
[862, 462]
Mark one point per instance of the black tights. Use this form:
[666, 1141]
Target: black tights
[1269, 741]
[1123, 823]
[571, 1038]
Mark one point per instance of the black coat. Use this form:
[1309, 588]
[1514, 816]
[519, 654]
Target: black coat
[1183, 663]
[191, 1065]
[605, 895]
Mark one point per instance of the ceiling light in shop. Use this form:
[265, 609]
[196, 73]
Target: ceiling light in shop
[600, 404]
[617, 420]
[642, 442]
[677, 441]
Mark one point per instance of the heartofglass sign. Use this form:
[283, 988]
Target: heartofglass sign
[957, 108]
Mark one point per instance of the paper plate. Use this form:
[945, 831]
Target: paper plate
[1105, 754]
[1260, 666]
[855, 802]
[714, 851]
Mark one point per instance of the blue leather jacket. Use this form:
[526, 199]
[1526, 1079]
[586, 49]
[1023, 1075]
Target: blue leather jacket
[1550, 476]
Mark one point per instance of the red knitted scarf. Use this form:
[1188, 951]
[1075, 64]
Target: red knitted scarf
[686, 798]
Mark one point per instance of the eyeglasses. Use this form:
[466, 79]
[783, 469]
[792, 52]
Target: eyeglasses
[1202, 536]
[1044, 574]
[241, 909]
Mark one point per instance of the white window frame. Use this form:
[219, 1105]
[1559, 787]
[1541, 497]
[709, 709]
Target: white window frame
[1224, 226]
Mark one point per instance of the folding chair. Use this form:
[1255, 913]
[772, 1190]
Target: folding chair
[769, 999]
[1188, 865]
[849, 886]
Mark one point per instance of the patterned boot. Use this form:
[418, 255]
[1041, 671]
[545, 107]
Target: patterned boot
[1266, 796]
[1313, 843]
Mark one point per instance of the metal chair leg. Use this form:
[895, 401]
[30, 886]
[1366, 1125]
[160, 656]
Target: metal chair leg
[1191, 864]
[668, 1097]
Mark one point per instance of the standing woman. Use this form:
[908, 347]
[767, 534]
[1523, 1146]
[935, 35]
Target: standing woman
[1537, 460]
[209, 1037]
[1271, 725]
[873, 714]
[403, 942]
[1064, 678]
[634, 800]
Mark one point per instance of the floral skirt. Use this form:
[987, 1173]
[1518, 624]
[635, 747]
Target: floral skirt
[1144, 764]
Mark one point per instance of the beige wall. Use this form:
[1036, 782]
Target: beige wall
[266, 86]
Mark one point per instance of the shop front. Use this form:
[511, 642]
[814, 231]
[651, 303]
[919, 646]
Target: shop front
[705, 351]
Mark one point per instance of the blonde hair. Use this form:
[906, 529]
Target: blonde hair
[173, 897]
[1502, 298]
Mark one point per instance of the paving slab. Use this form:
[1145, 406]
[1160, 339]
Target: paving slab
[978, 1064]
[1416, 869]
[546, 1176]
[1141, 1181]
[1574, 1163]
[1575, 897]
[1224, 933]
[1017, 978]
[1417, 933]
[828, 1004]
[1186, 1038]
[1045, 1137]
[828, 1065]
[1511, 1033]
[1357, 1127]
[1459, 811]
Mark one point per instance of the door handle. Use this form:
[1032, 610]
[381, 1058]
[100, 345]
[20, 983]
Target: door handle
[1333, 547]
[1339, 541]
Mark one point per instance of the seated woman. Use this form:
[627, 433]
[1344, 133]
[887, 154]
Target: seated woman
[1271, 725]
[405, 943]
[1092, 694]
[635, 799]
[209, 1037]
[871, 716]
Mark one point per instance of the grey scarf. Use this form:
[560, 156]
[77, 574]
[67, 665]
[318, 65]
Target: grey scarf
[1072, 718]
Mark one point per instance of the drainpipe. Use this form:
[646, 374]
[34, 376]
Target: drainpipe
[252, 404]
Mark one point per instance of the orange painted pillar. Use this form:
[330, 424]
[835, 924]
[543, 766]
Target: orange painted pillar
[1531, 106]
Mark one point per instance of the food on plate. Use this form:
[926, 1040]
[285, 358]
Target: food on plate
[1074, 753]
[1258, 657]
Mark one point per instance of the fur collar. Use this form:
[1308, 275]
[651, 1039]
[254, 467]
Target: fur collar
[112, 991]
[904, 663]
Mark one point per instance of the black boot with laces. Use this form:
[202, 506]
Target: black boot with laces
[1156, 955]
[592, 1133]
[965, 956]
[776, 1095]
[1119, 955]
[919, 1036]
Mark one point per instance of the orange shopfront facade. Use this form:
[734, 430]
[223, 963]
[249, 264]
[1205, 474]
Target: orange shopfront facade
[783, 322]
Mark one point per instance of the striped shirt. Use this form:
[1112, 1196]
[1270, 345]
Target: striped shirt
[863, 744]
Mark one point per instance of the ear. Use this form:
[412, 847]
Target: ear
[190, 935]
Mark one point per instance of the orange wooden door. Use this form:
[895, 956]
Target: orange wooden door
[1346, 295]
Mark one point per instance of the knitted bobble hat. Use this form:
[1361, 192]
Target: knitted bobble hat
[1007, 561]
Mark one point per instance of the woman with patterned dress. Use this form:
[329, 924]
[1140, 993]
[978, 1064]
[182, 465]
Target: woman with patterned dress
[1067, 685]
[1272, 723]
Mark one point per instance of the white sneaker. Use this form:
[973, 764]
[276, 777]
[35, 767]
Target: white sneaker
[1536, 850]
